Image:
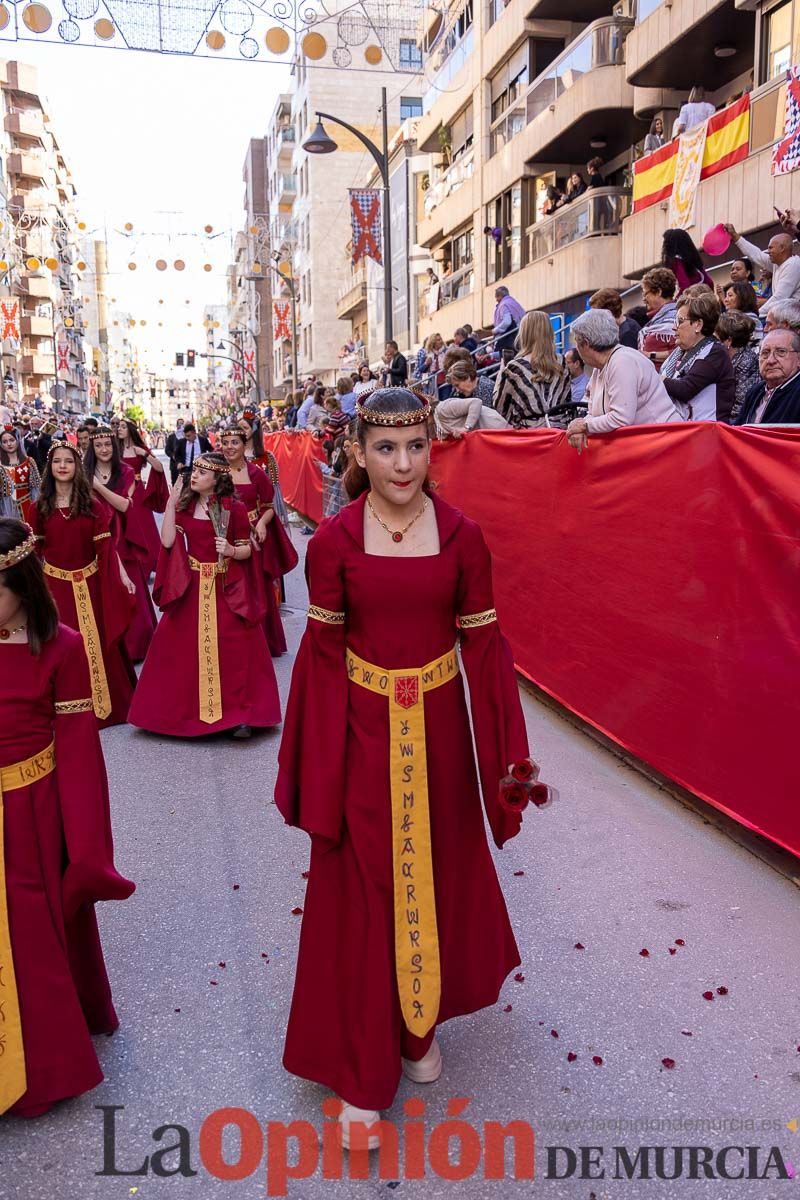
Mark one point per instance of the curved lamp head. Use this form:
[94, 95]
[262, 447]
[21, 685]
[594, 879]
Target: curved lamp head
[319, 142]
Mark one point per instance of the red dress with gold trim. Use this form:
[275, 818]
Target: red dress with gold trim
[217, 636]
[132, 543]
[277, 556]
[24, 479]
[59, 860]
[144, 511]
[346, 1029]
[73, 546]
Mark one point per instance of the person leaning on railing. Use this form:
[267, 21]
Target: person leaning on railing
[624, 388]
[469, 405]
[535, 381]
[698, 374]
[775, 399]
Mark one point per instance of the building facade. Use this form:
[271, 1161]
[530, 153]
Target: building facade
[42, 270]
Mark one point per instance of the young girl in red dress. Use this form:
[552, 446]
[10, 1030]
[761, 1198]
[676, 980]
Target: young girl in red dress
[114, 483]
[23, 474]
[89, 584]
[272, 548]
[147, 499]
[208, 667]
[405, 925]
[56, 850]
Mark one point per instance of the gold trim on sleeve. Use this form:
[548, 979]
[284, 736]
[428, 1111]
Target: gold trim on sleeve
[325, 615]
[98, 537]
[242, 542]
[475, 620]
[73, 706]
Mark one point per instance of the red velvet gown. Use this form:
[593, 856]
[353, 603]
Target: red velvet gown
[345, 1029]
[277, 556]
[72, 545]
[167, 695]
[144, 499]
[132, 546]
[59, 859]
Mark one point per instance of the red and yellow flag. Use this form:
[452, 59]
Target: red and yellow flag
[727, 142]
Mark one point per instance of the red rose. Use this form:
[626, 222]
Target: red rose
[513, 796]
[525, 771]
[542, 795]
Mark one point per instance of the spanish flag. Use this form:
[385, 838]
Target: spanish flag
[727, 142]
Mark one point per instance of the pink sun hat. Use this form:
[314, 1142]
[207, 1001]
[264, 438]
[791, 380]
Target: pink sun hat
[716, 241]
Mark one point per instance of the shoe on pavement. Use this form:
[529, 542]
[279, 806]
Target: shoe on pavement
[426, 1069]
[241, 732]
[351, 1115]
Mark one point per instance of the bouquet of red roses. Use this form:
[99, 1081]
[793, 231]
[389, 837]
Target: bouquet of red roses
[521, 786]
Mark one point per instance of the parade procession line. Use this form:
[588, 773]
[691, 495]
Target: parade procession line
[201, 961]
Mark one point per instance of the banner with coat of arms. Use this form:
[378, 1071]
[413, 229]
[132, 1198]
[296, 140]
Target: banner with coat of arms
[366, 221]
[786, 155]
[688, 168]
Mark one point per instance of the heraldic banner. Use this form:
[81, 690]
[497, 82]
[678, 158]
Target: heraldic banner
[786, 155]
[689, 165]
[365, 213]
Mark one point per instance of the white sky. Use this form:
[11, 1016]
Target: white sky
[158, 141]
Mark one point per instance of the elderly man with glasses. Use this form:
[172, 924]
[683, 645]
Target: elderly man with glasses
[775, 399]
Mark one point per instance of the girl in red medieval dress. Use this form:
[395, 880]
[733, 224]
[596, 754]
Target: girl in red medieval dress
[272, 548]
[114, 483]
[89, 584]
[405, 925]
[56, 850]
[208, 667]
[23, 475]
[147, 499]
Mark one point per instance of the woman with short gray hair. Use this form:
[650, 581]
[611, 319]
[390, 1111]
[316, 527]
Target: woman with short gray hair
[624, 388]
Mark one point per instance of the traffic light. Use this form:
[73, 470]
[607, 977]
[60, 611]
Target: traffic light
[178, 358]
[190, 358]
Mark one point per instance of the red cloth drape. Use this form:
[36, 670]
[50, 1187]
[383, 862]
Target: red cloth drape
[301, 480]
[650, 585]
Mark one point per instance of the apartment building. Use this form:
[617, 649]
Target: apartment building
[40, 247]
[282, 191]
[319, 211]
[524, 92]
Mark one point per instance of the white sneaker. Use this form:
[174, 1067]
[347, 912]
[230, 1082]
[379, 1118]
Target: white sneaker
[351, 1115]
[426, 1069]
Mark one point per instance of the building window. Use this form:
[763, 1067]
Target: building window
[410, 55]
[509, 81]
[410, 106]
[777, 40]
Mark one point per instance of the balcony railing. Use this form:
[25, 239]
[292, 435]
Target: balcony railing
[496, 9]
[456, 286]
[354, 292]
[287, 185]
[598, 213]
[600, 45]
[449, 182]
[645, 8]
[450, 68]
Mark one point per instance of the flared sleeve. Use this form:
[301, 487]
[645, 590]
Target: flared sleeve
[243, 589]
[309, 792]
[118, 604]
[280, 556]
[500, 735]
[173, 573]
[90, 873]
[156, 491]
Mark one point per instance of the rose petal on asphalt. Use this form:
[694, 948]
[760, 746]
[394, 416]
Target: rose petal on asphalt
[708, 995]
[597, 1060]
[669, 1063]
[571, 1056]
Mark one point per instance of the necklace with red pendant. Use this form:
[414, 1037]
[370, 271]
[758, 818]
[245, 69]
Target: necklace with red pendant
[5, 634]
[397, 535]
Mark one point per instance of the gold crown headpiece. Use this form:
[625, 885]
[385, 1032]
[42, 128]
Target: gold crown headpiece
[414, 416]
[233, 431]
[60, 444]
[206, 464]
[101, 431]
[19, 552]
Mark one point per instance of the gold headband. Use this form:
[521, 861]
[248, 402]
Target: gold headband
[60, 444]
[101, 431]
[234, 431]
[205, 464]
[19, 552]
[416, 416]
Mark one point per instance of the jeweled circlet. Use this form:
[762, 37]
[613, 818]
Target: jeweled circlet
[205, 464]
[16, 555]
[415, 416]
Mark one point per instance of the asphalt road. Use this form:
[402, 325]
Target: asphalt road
[201, 961]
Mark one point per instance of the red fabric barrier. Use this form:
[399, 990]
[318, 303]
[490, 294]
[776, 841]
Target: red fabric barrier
[651, 586]
[301, 478]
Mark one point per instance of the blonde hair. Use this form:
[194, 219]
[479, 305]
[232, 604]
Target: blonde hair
[537, 343]
[431, 338]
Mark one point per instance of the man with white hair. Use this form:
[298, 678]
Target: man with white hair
[624, 388]
[775, 399]
[785, 314]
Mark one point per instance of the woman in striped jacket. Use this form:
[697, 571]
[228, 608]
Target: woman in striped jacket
[536, 381]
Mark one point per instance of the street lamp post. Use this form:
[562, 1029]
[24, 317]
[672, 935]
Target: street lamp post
[245, 370]
[319, 142]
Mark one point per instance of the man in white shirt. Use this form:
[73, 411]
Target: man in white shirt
[779, 259]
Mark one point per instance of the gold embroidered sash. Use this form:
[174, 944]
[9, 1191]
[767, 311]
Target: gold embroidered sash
[416, 938]
[209, 684]
[87, 626]
[13, 1081]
